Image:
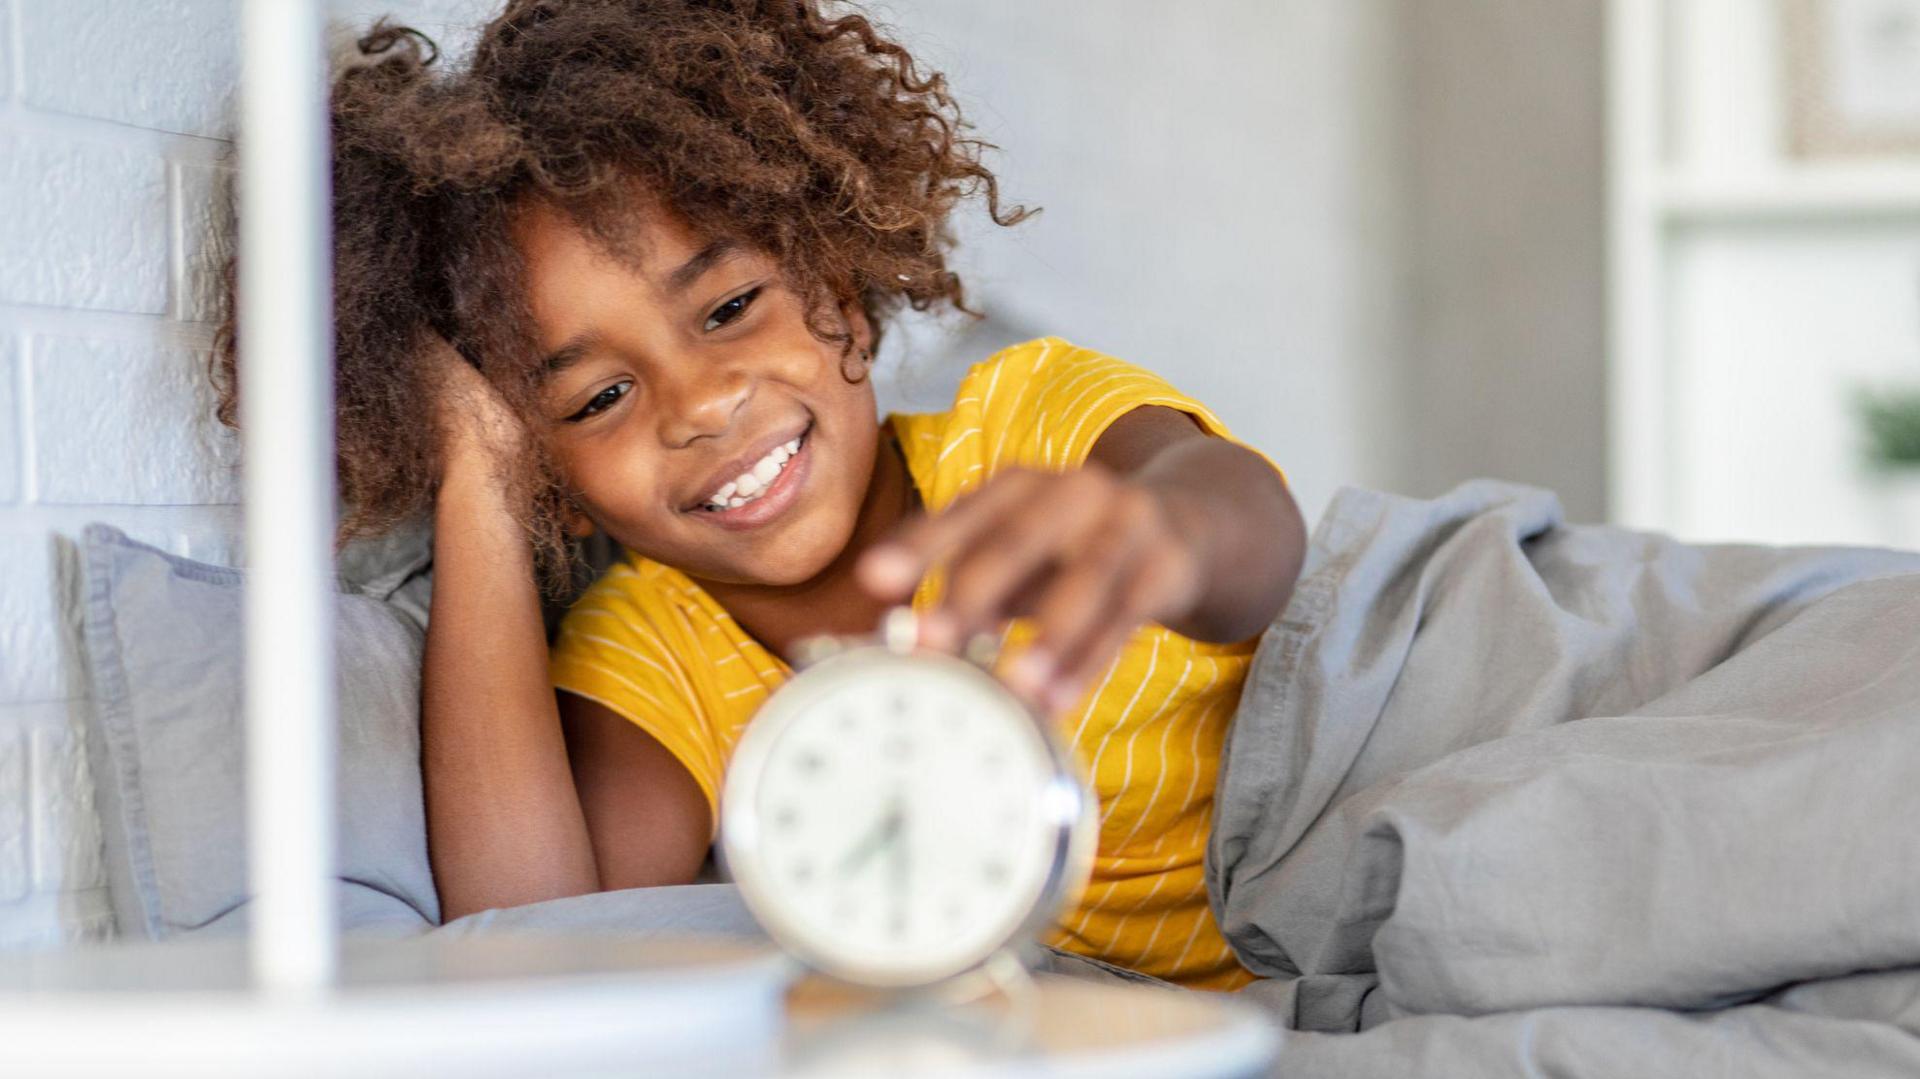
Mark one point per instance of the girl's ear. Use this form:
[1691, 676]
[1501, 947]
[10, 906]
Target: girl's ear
[862, 330]
[857, 363]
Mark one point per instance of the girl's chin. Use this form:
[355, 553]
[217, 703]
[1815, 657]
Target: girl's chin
[792, 558]
[789, 571]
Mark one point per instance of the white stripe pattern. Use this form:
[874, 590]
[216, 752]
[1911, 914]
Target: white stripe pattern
[1120, 721]
[1160, 760]
[678, 678]
[1079, 385]
[996, 456]
[957, 443]
[1193, 754]
[648, 723]
[1107, 810]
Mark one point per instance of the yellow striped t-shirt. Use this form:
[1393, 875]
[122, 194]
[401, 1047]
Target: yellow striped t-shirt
[651, 645]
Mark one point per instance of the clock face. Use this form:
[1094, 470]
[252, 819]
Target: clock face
[896, 819]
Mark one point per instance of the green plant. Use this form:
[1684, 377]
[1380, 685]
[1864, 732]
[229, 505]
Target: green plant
[1892, 421]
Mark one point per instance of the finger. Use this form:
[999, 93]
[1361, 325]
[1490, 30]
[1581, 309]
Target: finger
[1026, 596]
[1076, 672]
[1074, 603]
[891, 568]
[1055, 522]
[1159, 581]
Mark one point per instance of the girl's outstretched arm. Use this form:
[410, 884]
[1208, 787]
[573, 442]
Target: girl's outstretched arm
[1163, 523]
[512, 817]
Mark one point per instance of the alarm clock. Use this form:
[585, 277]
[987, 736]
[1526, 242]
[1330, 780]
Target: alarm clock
[895, 817]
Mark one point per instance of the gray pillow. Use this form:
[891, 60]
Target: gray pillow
[164, 639]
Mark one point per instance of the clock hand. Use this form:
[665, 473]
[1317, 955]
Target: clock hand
[880, 836]
[901, 865]
[863, 850]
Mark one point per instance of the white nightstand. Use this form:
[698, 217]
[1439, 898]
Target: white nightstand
[548, 1005]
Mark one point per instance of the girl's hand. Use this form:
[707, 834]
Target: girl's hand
[1088, 555]
[477, 428]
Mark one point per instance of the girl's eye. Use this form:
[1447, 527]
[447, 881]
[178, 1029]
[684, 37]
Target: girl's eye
[601, 401]
[732, 309]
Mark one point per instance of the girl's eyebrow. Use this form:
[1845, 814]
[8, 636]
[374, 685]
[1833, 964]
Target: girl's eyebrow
[679, 280]
[566, 356]
[704, 260]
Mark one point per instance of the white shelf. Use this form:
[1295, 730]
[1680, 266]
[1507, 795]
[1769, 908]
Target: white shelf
[1723, 291]
[1804, 193]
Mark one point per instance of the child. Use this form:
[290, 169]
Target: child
[626, 274]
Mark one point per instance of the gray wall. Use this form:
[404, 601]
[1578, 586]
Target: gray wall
[1506, 349]
[1221, 202]
[1369, 232]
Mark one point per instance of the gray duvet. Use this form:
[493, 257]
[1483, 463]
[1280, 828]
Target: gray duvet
[1510, 797]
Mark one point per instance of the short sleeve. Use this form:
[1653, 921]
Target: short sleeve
[613, 648]
[1075, 394]
[1041, 405]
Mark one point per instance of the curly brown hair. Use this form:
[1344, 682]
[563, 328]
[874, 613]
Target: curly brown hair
[806, 134]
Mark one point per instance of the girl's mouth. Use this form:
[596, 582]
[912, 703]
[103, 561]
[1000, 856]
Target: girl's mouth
[763, 491]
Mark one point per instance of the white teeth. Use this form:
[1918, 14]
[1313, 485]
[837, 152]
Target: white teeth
[751, 483]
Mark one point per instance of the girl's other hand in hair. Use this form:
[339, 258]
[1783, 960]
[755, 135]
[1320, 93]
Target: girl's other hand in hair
[477, 427]
[1089, 555]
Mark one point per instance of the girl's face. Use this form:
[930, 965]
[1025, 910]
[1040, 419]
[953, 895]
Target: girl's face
[691, 412]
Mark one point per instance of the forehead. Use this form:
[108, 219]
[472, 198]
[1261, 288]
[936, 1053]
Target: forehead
[651, 243]
[576, 279]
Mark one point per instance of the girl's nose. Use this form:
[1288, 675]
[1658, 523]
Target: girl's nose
[701, 401]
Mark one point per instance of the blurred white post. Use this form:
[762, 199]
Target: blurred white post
[1638, 454]
[286, 386]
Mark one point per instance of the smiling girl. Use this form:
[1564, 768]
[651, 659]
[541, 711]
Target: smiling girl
[632, 264]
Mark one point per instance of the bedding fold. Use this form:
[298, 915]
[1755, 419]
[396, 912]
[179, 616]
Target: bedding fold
[1491, 765]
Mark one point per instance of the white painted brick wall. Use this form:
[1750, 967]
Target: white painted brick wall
[113, 226]
[14, 822]
[6, 49]
[204, 208]
[165, 65]
[99, 408]
[34, 631]
[86, 224]
[10, 372]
